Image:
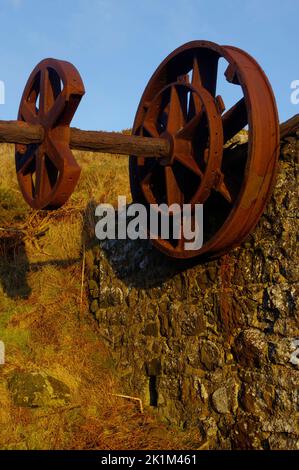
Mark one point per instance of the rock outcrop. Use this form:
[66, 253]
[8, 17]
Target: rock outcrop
[37, 389]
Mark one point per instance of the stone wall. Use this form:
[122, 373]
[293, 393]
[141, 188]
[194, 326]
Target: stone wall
[211, 345]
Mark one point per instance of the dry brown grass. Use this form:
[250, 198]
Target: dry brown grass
[45, 328]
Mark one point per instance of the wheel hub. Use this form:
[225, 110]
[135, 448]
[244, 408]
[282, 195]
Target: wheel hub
[179, 113]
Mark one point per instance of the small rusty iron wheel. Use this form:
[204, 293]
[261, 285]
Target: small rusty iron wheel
[48, 173]
[240, 182]
[190, 151]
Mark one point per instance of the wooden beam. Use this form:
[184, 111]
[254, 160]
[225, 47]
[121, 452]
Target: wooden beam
[115, 142]
[19, 132]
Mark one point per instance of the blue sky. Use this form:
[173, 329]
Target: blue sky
[117, 45]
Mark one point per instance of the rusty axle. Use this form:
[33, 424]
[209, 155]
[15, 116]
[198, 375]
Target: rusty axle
[19, 132]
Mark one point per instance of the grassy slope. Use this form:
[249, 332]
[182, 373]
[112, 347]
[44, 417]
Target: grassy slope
[46, 326]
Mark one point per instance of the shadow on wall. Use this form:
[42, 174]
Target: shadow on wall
[139, 264]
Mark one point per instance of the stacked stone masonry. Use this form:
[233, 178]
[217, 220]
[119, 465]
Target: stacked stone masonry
[211, 345]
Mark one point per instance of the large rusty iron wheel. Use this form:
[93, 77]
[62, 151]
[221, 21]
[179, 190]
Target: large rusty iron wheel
[48, 173]
[180, 104]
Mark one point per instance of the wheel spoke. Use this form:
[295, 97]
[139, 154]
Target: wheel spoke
[189, 129]
[196, 79]
[147, 178]
[150, 128]
[223, 190]
[56, 110]
[234, 120]
[28, 112]
[176, 115]
[195, 104]
[173, 192]
[45, 86]
[208, 68]
[190, 163]
[55, 154]
[220, 104]
[229, 187]
[24, 162]
[42, 184]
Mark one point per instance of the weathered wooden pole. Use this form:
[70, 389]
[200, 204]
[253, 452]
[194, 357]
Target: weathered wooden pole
[19, 132]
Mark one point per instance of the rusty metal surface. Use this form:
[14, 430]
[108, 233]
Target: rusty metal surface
[47, 172]
[180, 104]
